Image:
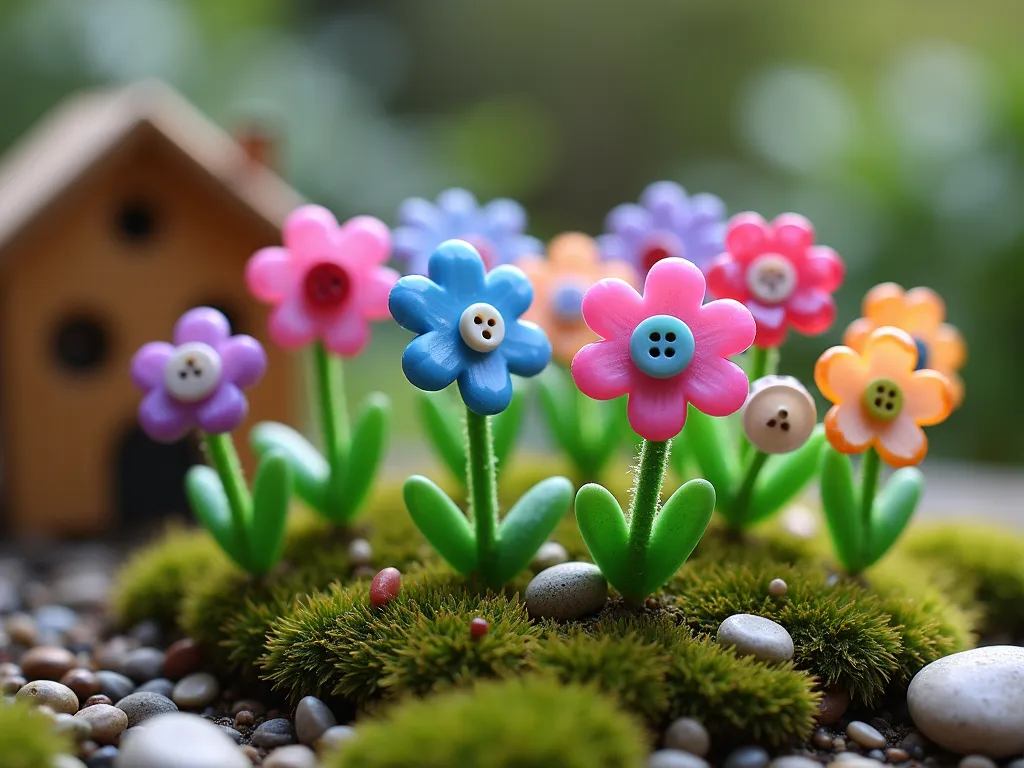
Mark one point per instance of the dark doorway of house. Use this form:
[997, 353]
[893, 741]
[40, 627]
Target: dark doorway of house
[151, 479]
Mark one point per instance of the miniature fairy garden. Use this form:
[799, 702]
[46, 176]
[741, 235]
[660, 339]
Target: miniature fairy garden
[703, 572]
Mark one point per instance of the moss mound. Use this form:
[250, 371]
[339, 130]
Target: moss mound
[510, 724]
[28, 738]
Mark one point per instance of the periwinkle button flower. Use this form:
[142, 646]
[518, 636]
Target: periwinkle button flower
[198, 380]
[468, 327]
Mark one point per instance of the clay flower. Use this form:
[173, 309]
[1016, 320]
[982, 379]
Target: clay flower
[327, 282]
[777, 271]
[881, 399]
[665, 349]
[666, 223]
[920, 312]
[468, 327]
[496, 230]
[198, 380]
[572, 266]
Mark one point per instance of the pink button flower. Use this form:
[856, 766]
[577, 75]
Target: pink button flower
[777, 271]
[327, 282]
[665, 349]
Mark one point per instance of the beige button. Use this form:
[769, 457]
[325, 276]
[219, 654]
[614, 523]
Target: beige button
[482, 327]
[771, 278]
[779, 415]
[193, 372]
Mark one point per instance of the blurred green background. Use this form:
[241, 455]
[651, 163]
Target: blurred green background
[897, 127]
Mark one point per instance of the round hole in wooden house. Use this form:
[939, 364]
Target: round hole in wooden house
[81, 343]
[136, 220]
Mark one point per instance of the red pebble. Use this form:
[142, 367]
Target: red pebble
[478, 627]
[385, 586]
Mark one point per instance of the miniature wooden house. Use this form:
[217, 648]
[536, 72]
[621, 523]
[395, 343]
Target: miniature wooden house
[124, 209]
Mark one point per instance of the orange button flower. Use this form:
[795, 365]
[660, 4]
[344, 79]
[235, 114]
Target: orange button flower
[572, 266]
[921, 313]
[881, 400]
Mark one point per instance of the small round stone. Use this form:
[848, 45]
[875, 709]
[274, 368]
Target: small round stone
[688, 735]
[107, 722]
[140, 707]
[79, 730]
[832, 706]
[876, 754]
[334, 737]
[67, 761]
[182, 658]
[794, 761]
[865, 735]
[896, 755]
[11, 685]
[47, 693]
[756, 636]
[385, 586]
[675, 758]
[46, 662]
[360, 553]
[55, 619]
[566, 592]
[777, 588]
[22, 629]
[104, 757]
[747, 757]
[114, 684]
[822, 739]
[293, 756]
[176, 740]
[144, 664]
[479, 627]
[976, 761]
[312, 718]
[274, 733]
[249, 705]
[235, 735]
[82, 681]
[161, 685]
[9, 669]
[838, 743]
[550, 553]
[1018, 763]
[99, 698]
[196, 691]
[244, 719]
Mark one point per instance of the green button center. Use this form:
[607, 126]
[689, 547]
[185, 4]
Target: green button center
[883, 399]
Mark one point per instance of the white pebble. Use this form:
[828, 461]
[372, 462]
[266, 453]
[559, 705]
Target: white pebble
[178, 739]
[756, 636]
[976, 761]
[865, 735]
[777, 588]
[689, 735]
[675, 758]
[360, 553]
[550, 553]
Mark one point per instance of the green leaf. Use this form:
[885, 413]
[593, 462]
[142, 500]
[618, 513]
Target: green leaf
[839, 503]
[709, 444]
[444, 430]
[369, 442]
[209, 502]
[892, 510]
[505, 426]
[785, 477]
[677, 529]
[603, 528]
[271, 498]
[560, 414]
[310, 471]
[529, 523]
[442, 523]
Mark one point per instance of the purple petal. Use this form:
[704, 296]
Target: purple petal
[515, 247]
[460, 208]
[224, 411]
[629, 221]
[203, 324]
[417, 213]
[665, 200]
[706, 208]
[164, 419]
[408, 242]
[503, 218]
[613, 248]
[149, 363]
[243, 359]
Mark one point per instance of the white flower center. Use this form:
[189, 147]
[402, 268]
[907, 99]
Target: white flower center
[193, 372]
[771, 278]
[482, 327]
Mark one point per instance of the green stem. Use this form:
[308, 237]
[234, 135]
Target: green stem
[739, 508]
[763, 362]
[646, 499]
[220, 450]
[871, 468]
[334, 429]
[483, 491]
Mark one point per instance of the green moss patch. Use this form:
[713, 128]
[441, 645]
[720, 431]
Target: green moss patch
[529, 723]
[28, 738]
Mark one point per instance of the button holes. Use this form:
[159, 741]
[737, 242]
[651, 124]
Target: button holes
[881, 389]
[888, 406]
[670, 352]
[486, 334]
[655, 336]
[772, 422]
[783, 413]
[182, 374]
[655, 352]
[670, 336]
[491, 322]
[785, 426]
[478, 320]
[892, 393]
[878, 402]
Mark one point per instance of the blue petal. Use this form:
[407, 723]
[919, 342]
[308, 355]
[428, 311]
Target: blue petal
[434, 360]
[485, 384]
[418, 304]
[457, 267]
[509, 291]
[526, 348]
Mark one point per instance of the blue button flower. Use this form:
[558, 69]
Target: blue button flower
[468, 327]
[496, 230]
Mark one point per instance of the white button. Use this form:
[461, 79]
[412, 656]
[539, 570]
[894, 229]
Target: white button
[482, 327]
[779, 415]
[771, 278]
[193, 372]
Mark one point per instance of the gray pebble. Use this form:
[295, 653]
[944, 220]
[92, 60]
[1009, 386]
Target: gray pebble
[144, 664]
[360, 553]
[865, 735]
[976, 761]
[232, 733]
[195, 691]
[756, 636]
[56, 619]
[76, 728]
[688, 735]
[777, 588]
[550, 553]
[103, 758]
[67, 761]
[274, 733]
[747, 757]
[47, 693]
[567, 591]
[794, 761]
[107, 722]
[146, 633]
[1018, 763]
[161, 685]
[179, 740]
[312, 718]
[142, 706]
[294, 756]
[822, 739]
[334, 737]
[675, 758]
[876, 754]
[114, 684]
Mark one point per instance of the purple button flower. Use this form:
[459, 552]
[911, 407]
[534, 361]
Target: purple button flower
[665, 224]
[496, 230]
[198, 380]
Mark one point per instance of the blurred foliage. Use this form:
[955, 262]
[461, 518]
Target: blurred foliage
[898, 128]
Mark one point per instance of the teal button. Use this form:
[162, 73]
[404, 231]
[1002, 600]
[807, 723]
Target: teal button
[662, 346]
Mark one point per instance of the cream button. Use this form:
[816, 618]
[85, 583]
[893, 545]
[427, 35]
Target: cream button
[771, 278]
[193, 372]
[779, 415]
[482, 327]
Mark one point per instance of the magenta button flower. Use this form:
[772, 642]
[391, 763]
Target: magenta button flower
[665, 349]
[198, 380]
[327, 282]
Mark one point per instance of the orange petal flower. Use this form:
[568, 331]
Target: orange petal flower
[921, 312]
[572, 266]
[881, 398]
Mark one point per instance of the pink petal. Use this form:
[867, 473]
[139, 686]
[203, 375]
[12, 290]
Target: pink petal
[364, 240]
[793, 234]
[291, 326]
[674, 287]
[715, 386]
[811, 311]
[770, 318]
[223, 412]
[657, 408]
[603, 370]
[823, 269]
[148, 364]
[727, 278]
[347, 335]
[722, 328]
[373, 290]
[270, 274]
[770, 338]
[747, 235]
[612, 308]
[310, 232]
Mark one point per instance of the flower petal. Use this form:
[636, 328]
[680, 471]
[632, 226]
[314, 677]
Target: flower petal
[270, 274]
[291, 326]
[418, 304]
[364, 241]
[525, 348]
[629, 221]
[902, 443]
[811, 311]
[792, 235]
[928, 397]
[857, 333]
[223, 412]
[503, 217]
[203, 324]
[723, 327]
[674, 287]
[163, 419]
[486, 384]
[507, 290]
[511, 248]
[746, 236]
[413, 246]
[612, 308]
[884, 304]
[727, 278]
[892, 353]
[948, 351]
[925, 311]
[665, 200]
[347, 335]
[715, 386]
[457, 267]
[148, 364]
[841, 375]
[823, 269]
[374, 289]
[614, 247]
[603, 370]
[705, 208]
[656, 408]
[573, 252]
[310, 232]
[418, 214]
[434, 360]
[847, 429]
[243, 361]
[461, 211]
